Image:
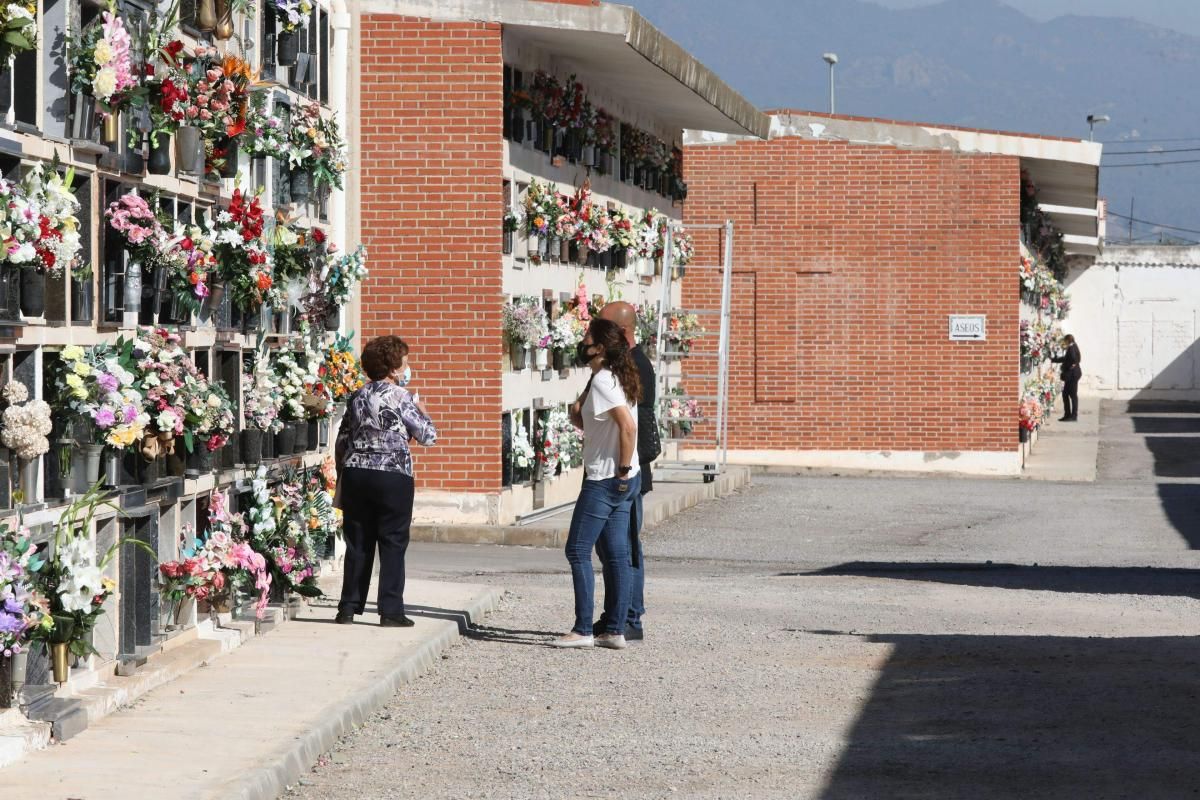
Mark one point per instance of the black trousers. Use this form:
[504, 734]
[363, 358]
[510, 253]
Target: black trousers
[376, 511]
[1071, 396]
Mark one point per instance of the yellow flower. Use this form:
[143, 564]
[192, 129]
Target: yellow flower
[108, 583]
[123, 436]
[102, 52]
[82, 369]
[79, 393]
[74, 381]
[72, 352]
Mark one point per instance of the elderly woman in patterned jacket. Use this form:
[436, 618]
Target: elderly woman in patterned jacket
[376, 480]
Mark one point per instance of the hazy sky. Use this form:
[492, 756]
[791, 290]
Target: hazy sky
[1179, 15]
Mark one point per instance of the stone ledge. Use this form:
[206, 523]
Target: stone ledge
[668, 499]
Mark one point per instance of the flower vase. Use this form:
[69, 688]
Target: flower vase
[229, 168]
[301, 434]
[301, 186]
[553, 248]
[58, 656]
[621, 258]
[313, 431]
[333, 318]
[91, 462]
[206, 16]
[224, 27]
[216, 292]
[560, 359]
[33, 292]
[81, 300]
[606, 259]
[285, 441]
[287, 49]
[29, 480]
[535, 247]
[110, 129]
[519, 354]
[83, 116]
[572, 253]
[541, 358]
[564, 251]
[589, 155]
[544, 249]
[112, 468]
[252, 447]
[160, 154]
[189, 150]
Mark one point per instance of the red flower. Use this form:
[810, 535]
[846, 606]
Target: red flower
[264, 281]
[187, 244]
[318, 235]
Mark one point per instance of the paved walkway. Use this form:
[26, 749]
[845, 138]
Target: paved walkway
[252, 722]
[1068, 451]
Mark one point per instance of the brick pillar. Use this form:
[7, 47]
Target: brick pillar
[431, 210]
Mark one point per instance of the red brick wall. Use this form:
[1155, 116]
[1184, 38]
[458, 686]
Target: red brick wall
[432, 166]
[850, 258]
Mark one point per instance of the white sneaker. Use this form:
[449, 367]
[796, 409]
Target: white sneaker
[573, 640]
[613, 641]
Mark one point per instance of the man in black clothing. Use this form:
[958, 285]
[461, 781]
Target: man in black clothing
[649, 447]
[1071, 373]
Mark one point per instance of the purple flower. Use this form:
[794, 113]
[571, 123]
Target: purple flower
[108, 382]
[10, 623]
[131, 413]
[104, 418]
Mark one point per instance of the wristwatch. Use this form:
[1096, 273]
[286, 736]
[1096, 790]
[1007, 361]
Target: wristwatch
[625, 470]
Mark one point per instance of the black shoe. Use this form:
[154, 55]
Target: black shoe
[395, 622]
[344, 619]
[1064, 419]
[633, 634]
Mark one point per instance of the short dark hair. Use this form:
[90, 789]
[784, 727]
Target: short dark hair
[382, 356]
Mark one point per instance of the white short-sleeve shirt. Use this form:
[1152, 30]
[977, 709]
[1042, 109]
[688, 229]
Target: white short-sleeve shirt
[601, 434]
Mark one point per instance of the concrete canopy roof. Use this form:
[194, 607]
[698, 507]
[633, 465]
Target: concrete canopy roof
[611, 46]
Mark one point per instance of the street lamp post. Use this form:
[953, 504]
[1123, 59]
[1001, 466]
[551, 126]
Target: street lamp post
[831, 59]
[1094, 120]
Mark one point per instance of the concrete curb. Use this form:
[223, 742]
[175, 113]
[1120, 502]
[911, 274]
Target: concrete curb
[659, 507]
[291, 761]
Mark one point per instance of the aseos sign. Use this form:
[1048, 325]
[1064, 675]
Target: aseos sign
[968, 327]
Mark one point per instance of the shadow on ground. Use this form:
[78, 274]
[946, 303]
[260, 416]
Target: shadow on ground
[985, 717]
[1146, 581]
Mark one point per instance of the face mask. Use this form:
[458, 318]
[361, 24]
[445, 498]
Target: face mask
[581, 350]
[404, 378]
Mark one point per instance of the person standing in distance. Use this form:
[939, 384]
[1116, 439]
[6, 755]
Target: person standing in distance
[649, 447]
[1071, 373]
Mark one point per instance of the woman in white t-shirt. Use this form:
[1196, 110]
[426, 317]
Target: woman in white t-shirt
[607, 412]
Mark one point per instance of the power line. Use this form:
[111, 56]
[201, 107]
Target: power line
[1153, 163]
[1148, 222]
[1152, 152]
[1144, 141]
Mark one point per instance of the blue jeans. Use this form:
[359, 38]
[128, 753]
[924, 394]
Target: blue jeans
[602, 516]
[637, 575]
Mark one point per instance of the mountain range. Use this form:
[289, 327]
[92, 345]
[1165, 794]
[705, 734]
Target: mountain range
[977, 63]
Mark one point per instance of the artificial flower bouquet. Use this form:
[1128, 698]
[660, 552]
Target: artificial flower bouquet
[279, 531]
[525, 323]
[101, 388]
[683, 248]
[541, 213]
[20, 230]
[523, 455]
[678, 413]
[341, 371]
[316, 146]
[100, 62]
[592, 230]
[622, 229]
[293, 15]
[682, 330]
[58, 240]
[268, 132]
[240, 247]
[291, 377]
[22, 608]
[18, 29]
[26, 423]
[212, 92]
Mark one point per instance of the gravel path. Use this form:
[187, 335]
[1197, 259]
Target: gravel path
[835, 638]
[757, 683]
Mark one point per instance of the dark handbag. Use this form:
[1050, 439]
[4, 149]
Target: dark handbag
[649, 445]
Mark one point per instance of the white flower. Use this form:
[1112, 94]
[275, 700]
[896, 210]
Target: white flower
[105, 83]
[103, 52]
[15, 392]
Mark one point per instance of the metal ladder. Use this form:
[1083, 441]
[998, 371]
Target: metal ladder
[669, 366]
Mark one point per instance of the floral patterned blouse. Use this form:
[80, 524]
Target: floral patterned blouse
[381, 418]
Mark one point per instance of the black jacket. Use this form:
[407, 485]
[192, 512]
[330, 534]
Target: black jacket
[1070, 362]
[649, 445]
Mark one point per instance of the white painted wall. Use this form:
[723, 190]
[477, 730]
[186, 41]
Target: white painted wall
[1136, 315]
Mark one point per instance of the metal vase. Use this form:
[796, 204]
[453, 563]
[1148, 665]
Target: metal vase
[58, 655]
[82, 300]
[112, 468]
[189, 150]
[541, 358]
[564, 251]
[216, 292]
[206, 16]
[287, 49]
[133, 292]
[252, 447]
[224, 27]
[301, 186]
[229, 169]
[519, 354]
[333, 319]
[29, 480]
[91, 462]
[83, 116]
[33, 292]
[160, 154]
[111, 129]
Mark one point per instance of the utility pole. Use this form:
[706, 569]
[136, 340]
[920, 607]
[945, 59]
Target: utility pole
[831, 59]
